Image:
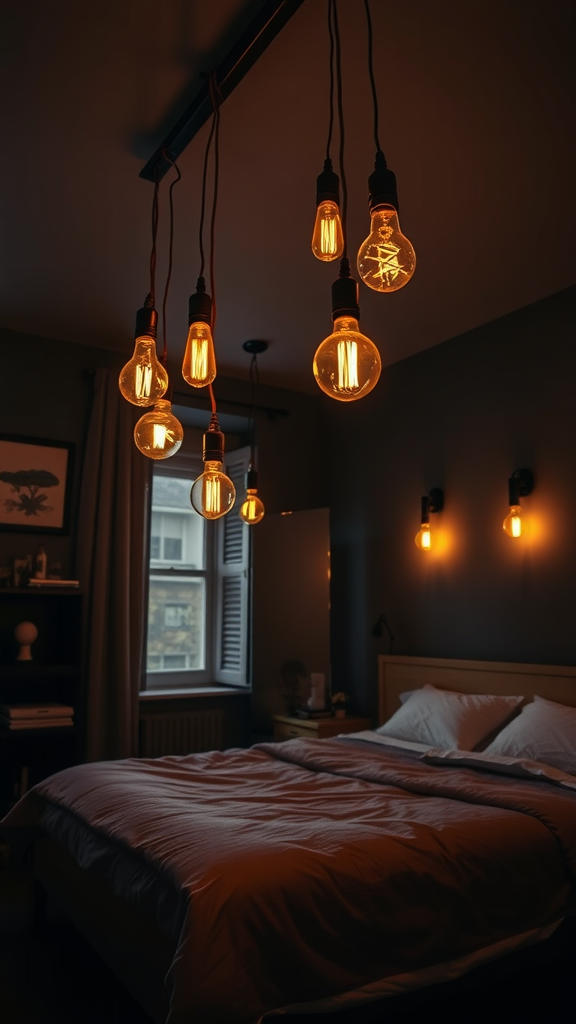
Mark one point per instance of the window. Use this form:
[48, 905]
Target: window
[198, 589]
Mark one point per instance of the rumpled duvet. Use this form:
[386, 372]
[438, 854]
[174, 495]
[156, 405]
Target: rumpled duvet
[310, 868]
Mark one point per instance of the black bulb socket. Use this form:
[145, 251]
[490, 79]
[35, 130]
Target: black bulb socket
[251, 480]
[345, 294]
[146, 322]
[213, 446]
[327, 185]
[382, 185]
[200, 305]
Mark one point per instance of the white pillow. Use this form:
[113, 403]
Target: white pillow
[443, 718]
[544, 731]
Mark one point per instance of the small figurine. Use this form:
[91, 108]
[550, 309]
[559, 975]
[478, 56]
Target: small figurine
[25, 634]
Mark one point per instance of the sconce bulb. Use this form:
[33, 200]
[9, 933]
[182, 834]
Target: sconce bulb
[423, 538]
[327, 237]
[213, 493]
[386, 259]
[143, 379]
[199, 364]
[513, 524]
[158, 434]
[252, 508]
[347, 364]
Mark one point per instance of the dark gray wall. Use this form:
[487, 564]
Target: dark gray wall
[462, 416]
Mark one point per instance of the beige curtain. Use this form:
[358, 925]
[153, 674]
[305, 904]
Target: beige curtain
[111, 566]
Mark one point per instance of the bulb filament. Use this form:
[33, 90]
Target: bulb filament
[212, 503]
[143, 381]
[348, 366]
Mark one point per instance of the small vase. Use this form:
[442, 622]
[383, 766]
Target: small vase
[339, 712]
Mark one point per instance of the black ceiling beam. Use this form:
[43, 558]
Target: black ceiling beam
[261, 31]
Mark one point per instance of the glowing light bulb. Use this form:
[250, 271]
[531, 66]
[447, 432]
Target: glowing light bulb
[213, 493]
[513, 524]
[252, 508]
[423, 539]
[199, 364]
[327, 236]
[386, 259]
[143, 379]
[346, 364]
[158, 434]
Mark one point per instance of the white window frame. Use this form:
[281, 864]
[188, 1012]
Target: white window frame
[226, 570]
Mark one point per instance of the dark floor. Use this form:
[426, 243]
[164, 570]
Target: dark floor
[51, 976]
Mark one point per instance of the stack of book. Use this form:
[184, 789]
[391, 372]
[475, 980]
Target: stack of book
[53, 583]
[35, 716]
[313, 713]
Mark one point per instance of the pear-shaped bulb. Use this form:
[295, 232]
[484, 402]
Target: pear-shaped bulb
[143, 379]
[386, 259]
[423, 538]
[347, 364]
[213, 493]
[199, 364]
[327, 236]
[252, 508]
[158, 434]
[513, 524]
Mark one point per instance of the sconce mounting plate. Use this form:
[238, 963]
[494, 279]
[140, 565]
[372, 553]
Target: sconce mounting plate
[525, 481]
[436, 499]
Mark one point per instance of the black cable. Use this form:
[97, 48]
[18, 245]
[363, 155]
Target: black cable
[331, 106]
[215, 96]
[168, 157]
[254, 383]
[151, 300]
[371, 74]
[203, 200]
[341, 125]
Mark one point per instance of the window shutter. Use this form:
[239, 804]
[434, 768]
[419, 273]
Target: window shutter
[233, 582]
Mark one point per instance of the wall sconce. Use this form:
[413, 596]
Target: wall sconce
[431, 502]
[520, 484]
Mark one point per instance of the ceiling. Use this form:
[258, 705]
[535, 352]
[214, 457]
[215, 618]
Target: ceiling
[476, 118]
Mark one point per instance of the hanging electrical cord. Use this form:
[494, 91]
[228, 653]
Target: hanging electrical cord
[386, 259]
[327, 239]
[252, 508]
[212, 494]
[143, 379]
[347, 364]
[158, 434]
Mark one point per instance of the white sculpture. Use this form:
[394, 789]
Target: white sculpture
[25, 634]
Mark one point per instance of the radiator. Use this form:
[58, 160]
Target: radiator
[180, 732]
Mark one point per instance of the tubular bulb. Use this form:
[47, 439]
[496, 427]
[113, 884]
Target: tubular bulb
[386, 259]
[327, 237]
[199, 365]
[143, 379]
[423, 538]
[346, 364]
[213, 493]
[513, 524]
[158, 434]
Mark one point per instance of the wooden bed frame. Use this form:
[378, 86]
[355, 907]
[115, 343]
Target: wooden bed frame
[136, 951]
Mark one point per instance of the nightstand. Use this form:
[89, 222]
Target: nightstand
[286, 727]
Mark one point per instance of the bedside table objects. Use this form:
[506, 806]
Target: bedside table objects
[287, 727]
[40, 685]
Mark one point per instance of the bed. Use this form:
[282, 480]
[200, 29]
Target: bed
[314, 875]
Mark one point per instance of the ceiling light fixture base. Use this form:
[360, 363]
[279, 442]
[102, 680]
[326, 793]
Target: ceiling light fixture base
[255, 347]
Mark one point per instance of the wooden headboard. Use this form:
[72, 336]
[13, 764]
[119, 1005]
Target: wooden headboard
[398, 673]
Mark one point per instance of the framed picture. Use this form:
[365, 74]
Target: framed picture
[35, 484]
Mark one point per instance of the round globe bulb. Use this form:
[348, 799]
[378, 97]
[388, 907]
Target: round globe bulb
[347, 364]
[158, 434]
[386, 259]
[143, 379]
[423, 539]
[199, 364]
[213, 493]
[513, 524]
[252, 508]
[327, 236]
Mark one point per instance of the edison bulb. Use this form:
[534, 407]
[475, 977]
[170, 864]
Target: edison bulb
[513, 524]
[423, 539]
[327, 237]
[143, 379]
[213, 493]
[347, 364]
[158, 434]
[199, 364]
[252, 508]
[386, 259]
